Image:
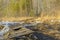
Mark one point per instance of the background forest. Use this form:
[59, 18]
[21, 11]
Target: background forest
[29, 8]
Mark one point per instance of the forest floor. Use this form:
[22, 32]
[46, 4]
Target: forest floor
[47, 29]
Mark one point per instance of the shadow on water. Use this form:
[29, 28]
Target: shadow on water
[42, 36]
